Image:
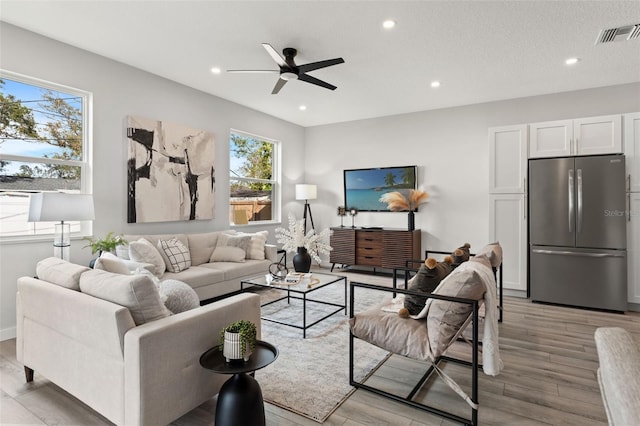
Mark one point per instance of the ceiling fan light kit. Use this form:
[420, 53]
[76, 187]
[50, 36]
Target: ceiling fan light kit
[290, 71]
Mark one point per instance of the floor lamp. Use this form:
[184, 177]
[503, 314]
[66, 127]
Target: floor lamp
[60, 206]
[307, 192]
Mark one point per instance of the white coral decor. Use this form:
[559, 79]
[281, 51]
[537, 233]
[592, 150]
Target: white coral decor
[294, 237]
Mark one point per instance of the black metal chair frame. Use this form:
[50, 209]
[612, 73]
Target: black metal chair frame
[474, 364]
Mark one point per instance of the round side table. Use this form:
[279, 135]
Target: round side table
[240, 399]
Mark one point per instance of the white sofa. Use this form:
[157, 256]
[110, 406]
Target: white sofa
[146, 374]
[209, 278]
[619, 375]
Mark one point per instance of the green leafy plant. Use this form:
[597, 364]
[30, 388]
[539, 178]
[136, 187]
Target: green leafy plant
[247, 331]
[108, 243]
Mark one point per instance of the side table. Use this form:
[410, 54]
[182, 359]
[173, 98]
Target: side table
[240, 399]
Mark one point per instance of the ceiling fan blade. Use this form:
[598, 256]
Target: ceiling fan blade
[254, 71]
[318, 82]
[320, 64]
[281, 82]
[275, 55]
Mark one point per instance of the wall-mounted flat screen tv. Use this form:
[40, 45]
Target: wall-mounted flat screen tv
[364, 187]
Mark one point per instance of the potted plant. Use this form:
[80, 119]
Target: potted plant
[396, 201]
[306, 247]
[108, 244]
[238, 340]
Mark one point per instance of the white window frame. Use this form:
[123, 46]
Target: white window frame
[276, 177]
[85, 164]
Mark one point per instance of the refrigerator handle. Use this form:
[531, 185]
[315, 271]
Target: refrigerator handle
[570, 195]
[579, 227]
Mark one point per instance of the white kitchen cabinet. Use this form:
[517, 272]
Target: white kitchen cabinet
[508, 159]
[632, 150]
[583, 136]
[633, 248]
[508, 213]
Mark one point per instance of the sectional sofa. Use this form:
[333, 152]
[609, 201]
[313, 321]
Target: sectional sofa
[217, 261]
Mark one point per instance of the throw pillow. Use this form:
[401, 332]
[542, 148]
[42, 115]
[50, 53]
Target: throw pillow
[180, 296]
[227, 254]
[176, 255]
[138, 293]
[461, 254]
[239, 241]
[111, 263]
[143, 251]
[492, 252]
[445, 318]
[426, 280]
[255, 247]
[122, 251]
[60, 272]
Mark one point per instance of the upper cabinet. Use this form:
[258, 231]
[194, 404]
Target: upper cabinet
[508, 159]
[632, 150]
[584, 136]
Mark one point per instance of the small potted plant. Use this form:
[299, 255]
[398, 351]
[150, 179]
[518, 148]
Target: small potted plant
[238, 340]
[108, 244]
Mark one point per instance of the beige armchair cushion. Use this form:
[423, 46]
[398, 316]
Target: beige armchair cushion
[136, 292]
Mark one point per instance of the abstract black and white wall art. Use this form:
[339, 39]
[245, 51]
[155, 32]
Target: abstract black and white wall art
[171, 174]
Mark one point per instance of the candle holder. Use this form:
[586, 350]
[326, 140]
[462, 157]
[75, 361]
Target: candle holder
[353, 212]
[342, 212]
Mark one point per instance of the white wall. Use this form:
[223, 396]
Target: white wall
[450, 147]
[119, 90]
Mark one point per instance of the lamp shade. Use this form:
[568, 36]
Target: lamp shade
[306, 191]
[60, 206]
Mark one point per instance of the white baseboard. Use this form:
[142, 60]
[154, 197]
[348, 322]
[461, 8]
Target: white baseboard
[514, 293]
[7, 333]
[635, 307]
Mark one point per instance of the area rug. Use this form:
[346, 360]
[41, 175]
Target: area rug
[311, 376]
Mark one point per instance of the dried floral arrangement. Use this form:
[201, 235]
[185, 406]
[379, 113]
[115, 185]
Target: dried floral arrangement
[294, 237]
[397, 202]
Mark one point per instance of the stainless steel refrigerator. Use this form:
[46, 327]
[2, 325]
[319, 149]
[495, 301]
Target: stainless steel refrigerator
[577, 231]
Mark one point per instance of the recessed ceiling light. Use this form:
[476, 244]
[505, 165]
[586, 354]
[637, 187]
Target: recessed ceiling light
[435, 84]
[215, 70]
[302, 107]
[572, 61]
[388, 24]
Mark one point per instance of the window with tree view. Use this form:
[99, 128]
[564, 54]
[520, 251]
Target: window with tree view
[253, 179]
[42, 148]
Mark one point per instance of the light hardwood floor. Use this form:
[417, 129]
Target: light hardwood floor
[549, 378]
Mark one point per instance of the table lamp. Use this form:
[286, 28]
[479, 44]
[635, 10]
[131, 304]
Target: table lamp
[54, 206]
[307, 192]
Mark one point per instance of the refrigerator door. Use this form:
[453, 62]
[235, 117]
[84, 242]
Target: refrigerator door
[579, 277]
[552, 202]
[600, 202]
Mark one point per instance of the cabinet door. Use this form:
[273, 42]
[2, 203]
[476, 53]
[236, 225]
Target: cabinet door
[632, 150]
[598, 135]
[550, 139]
[633, 248]
[508, 226]
[508, 159]
[343, 242]
[400, 246]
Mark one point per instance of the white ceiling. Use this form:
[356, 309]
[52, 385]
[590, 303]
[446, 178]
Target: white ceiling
[480, 50]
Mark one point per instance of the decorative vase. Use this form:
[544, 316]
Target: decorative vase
[302, 260]
[412, 221]
[232, 348]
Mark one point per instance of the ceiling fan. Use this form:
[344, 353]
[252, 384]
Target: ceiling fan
[290, 71]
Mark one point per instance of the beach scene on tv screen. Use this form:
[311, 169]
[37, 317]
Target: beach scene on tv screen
[363, 188]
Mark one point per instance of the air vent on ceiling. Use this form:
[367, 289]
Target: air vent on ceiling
[628, 32]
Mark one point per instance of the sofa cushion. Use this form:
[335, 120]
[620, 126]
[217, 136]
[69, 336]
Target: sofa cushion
[234, 271]
[60, 272]
[179, 296]
[255, 247]
[228, 254]
[138, 293]
[201, 246]
[444, 318]
[143, 251]
[197, 276]
[176, 255]
[111, 263]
